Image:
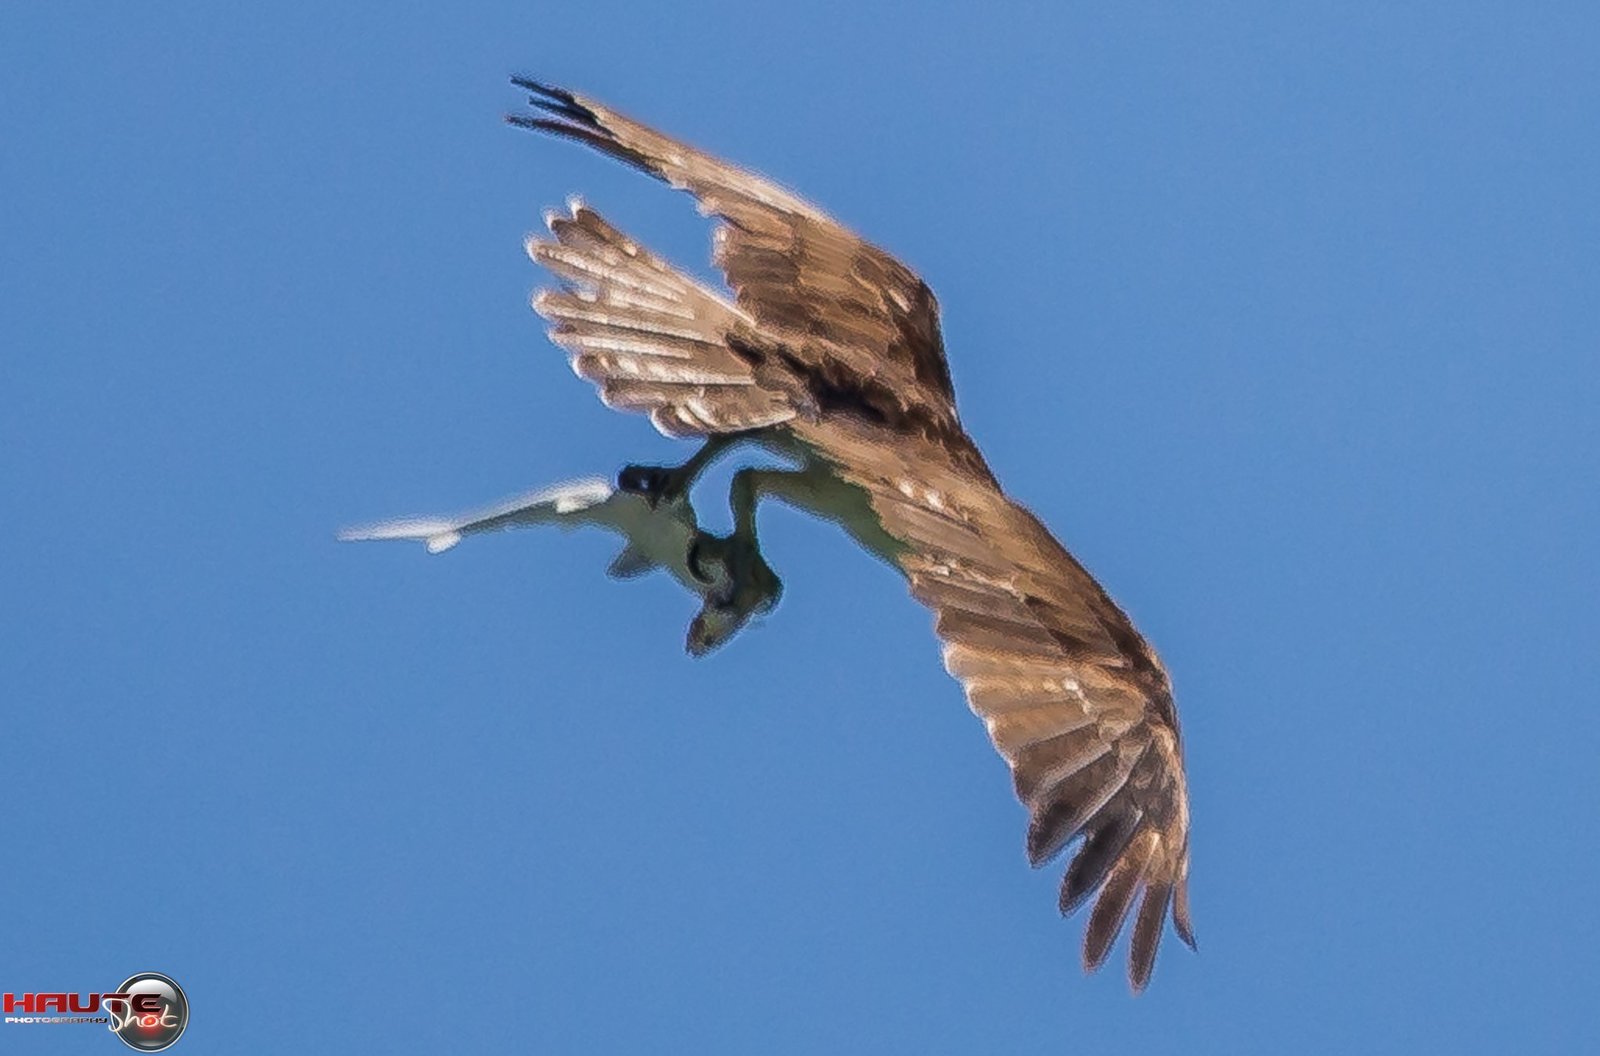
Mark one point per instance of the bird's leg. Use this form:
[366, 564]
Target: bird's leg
[670, 482]
[753, 580]
[748, 585]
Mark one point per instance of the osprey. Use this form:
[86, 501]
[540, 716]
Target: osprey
[829, 354]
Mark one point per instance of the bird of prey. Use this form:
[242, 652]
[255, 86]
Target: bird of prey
[828, 353]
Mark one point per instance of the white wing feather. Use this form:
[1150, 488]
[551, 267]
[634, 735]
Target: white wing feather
[656, 536]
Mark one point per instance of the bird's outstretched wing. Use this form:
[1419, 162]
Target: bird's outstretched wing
[845, 309]
[577, 502]
[656, 535]
[1073, 698]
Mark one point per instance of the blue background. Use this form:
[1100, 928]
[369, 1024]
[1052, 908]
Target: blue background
[1284, 316]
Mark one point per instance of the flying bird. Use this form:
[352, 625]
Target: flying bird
[658, 533]
[828, 353]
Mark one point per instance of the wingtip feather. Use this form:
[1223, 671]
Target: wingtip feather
[1181, 921]
[410, 528]
[1147, 928]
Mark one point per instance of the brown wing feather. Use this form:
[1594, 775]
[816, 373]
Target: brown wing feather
[652, 338]
[1073, 698]
[841, 306]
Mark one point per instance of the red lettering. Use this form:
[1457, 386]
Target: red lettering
[82, 1004]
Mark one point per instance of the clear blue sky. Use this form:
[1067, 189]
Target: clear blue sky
[1284, 316]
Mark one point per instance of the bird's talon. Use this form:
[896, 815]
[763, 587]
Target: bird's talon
[755, 587]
